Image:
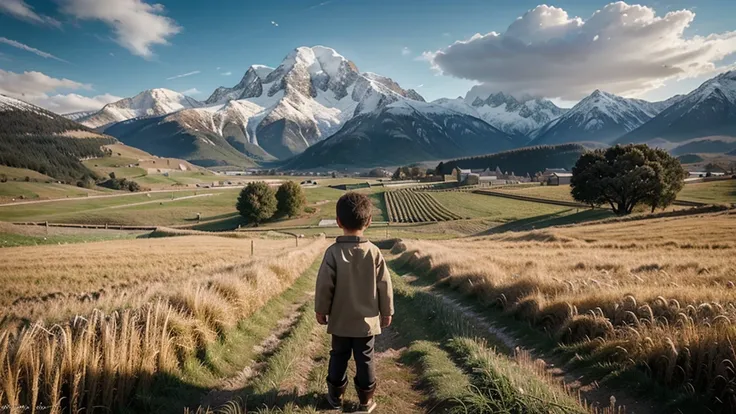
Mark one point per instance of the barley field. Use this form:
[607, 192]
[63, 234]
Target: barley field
[653, 296]
[84, 328]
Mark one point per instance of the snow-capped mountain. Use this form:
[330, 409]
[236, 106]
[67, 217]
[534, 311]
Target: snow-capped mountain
[285, 110]
[601, 117]
[76, 116]
[517, 117]
[19, 118]
[710, 110]
[403, 132]
[150, 103]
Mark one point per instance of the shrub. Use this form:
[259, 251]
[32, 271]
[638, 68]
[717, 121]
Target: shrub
[257, 202]
[291, 199]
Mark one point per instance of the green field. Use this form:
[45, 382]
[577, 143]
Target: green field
[549, 192]
[718, 192]
[15, 240]
[95, 210]
[495, 208]
[41, 191]
[21, 173]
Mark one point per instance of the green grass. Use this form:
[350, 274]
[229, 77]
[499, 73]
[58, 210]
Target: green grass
[445, 383]
[21, 173]
[496, 208]
[712, 192]
[41, 190]
[94, 210]
[14, 240]
[549, 192]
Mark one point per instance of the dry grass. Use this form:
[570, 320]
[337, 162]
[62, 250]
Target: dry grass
[56, 282]
[656, 294]
[100, 359]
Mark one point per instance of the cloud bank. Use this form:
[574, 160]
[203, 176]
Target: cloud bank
[138, 26]
[38, 88]
[623, 49]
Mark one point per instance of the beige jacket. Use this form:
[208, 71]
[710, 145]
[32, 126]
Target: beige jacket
[354, 288]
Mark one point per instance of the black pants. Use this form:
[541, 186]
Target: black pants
[362, 350]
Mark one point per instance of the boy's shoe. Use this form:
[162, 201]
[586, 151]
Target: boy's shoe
[335, 393]
[367, 404]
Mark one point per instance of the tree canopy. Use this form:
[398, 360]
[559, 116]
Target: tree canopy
[626, 176]
[257, 202]
[291, 199]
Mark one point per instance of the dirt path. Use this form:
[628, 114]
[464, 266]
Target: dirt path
[229, 388]
[554, 366]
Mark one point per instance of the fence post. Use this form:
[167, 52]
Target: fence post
[252, 247]
[47, 227]
[296, 237]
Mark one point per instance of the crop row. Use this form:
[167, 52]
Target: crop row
[408, 206]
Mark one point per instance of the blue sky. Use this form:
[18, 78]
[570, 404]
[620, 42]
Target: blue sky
[216, 41]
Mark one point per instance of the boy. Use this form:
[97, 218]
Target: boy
[354, 298]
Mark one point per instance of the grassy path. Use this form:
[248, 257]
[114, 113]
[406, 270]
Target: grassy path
[434, 358]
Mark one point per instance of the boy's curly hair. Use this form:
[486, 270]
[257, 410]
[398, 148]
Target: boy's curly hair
[354, 210]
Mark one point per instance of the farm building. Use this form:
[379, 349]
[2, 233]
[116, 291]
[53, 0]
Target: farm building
[559, 178]
[548, 173]
[461, 175]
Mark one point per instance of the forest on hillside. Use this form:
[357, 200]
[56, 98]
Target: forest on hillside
[55, 156]
[521, 161]
[36, 122]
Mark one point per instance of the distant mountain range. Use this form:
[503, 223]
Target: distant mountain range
[317, 109]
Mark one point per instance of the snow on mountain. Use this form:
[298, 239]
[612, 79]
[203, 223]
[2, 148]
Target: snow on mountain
[708, 111]
[11, 104]
[514, 116]
[601, 117]
[150, 103]
[402, 132]
[20, 118]
[76, 116]
[307, 98]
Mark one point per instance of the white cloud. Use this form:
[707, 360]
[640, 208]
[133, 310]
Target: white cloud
[405, 51]
[218, 68]
[138, 26]
[623, 49]
[38, 89]
[21, 10]
[420, 86]
[112, 54]
[27, 48]
[191, 91]
[274, 23]
[184, 75]
[226, 73]
[64, 104]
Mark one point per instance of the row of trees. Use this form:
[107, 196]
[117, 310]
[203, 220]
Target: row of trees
[258, 202]
[626, 176]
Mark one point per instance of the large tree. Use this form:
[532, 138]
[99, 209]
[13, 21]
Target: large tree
[625, 176]
[291, 198]
[257, 202]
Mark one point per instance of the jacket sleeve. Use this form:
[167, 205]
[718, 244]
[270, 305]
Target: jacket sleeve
[385, 288]
[325, 289]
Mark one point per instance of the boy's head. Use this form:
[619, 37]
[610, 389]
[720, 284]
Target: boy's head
[354, 211]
